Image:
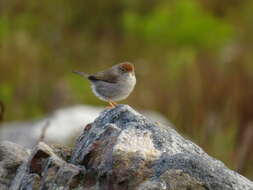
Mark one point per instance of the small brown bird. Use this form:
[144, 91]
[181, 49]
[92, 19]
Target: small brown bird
[113, 84]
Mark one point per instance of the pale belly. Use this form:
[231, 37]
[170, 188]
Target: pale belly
[113, 91]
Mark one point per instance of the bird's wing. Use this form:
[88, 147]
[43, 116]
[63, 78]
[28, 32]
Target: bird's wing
[106, 76]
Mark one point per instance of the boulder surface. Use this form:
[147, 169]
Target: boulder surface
[11, 157]
[123, 150]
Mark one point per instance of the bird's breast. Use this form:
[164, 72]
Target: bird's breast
[114, 91]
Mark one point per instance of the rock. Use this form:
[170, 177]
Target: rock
[123, 150]
[47, 170]
[64, 125]
[11, 157]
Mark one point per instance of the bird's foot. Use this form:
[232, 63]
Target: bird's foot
[111, 105]
[114, 104]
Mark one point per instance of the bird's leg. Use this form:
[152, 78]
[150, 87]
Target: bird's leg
[114, 104]
[111, 105]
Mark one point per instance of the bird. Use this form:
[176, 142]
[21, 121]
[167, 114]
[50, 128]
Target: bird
[113, 84]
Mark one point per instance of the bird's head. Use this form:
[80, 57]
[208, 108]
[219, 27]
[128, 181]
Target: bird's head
[126, 68]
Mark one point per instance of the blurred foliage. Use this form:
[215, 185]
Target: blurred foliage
[193, 62]
[179, 24]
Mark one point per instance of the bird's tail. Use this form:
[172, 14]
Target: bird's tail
[81, 73]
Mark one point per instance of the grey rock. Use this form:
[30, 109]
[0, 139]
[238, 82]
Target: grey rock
[11, 157]
[46, 170]
[123, 150]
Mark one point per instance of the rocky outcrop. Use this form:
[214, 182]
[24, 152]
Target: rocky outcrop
[123, 150]
[48, 168]
[11, 157]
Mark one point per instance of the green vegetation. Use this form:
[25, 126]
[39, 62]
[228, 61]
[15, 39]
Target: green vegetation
[193, 62]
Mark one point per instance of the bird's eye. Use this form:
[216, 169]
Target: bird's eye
[122, 69]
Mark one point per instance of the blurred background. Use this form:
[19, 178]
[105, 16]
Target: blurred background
[193, 58]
